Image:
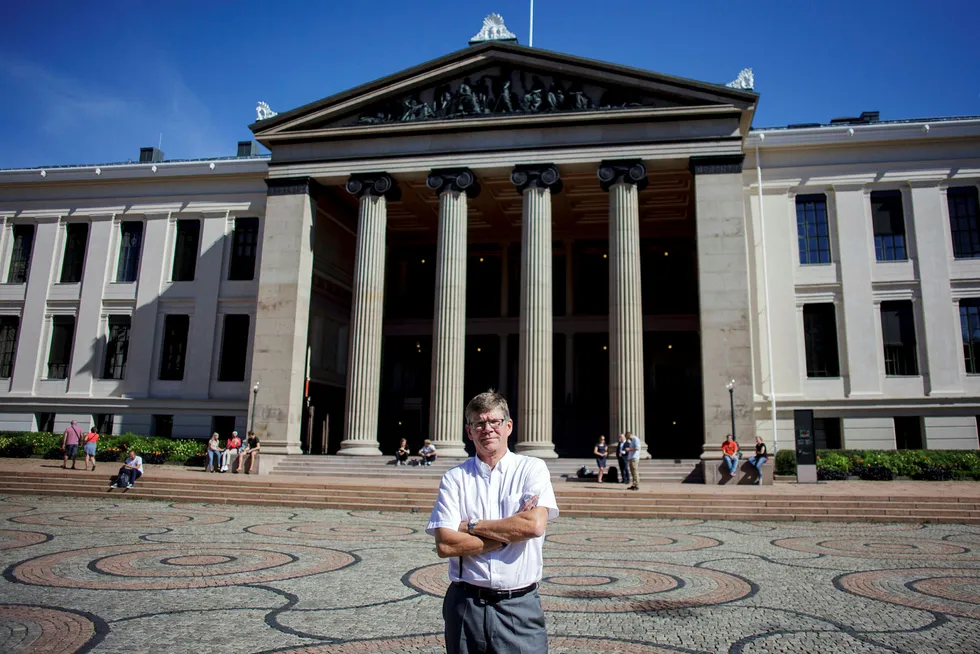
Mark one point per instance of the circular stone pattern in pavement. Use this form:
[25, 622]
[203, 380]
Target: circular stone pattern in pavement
[10, 540]
[843, 528]
[889, 547]
[165, 566]
[623, 541]
[9, 507]
[950, 591]
[433, 644]
[640, 586]
[330, 531]
[119, 519]
[42, 629]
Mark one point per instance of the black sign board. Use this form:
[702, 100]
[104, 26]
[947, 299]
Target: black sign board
[806, 449]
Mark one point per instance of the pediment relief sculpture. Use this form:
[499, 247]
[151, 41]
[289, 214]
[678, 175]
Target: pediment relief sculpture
[502, 91]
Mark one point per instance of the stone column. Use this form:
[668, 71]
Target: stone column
[623, 180]
[282, 312]
[723, 290]
[364, 359]
[449, 322]
[534, 402]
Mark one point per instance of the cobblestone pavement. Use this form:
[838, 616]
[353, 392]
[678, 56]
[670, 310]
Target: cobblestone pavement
[83, 575]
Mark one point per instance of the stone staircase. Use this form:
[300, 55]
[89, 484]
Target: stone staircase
[336, 467]
[575, 499]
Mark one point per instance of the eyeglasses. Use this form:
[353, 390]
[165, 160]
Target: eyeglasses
[483, 424]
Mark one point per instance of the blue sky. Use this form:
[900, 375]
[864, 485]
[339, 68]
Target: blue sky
[92, 82]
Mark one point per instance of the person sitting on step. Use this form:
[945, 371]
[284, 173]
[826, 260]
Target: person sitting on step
[231, 449]
[729, 450]
[131, 471]
[428, 452]
[214, 454]
[757, 461]
[401, 454]
[247, 458]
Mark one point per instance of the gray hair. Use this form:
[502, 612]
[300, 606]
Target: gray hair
[486, 402]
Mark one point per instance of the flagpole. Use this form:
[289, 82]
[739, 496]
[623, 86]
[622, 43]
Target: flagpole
[530, 39]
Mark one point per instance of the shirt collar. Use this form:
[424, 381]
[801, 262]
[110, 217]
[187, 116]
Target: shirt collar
[501, 466]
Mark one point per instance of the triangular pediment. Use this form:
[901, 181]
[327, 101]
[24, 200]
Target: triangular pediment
[499, 81]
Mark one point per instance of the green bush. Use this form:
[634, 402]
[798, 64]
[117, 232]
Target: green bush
[831, 460]
[786, 462]
[111, 448]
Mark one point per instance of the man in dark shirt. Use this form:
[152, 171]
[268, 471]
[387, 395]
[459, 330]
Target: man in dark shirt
[252, 447]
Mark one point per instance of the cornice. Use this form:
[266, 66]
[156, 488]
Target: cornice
[846, 135]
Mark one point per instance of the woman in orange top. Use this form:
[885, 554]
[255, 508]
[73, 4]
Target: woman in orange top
[730, 451]
[90, 440]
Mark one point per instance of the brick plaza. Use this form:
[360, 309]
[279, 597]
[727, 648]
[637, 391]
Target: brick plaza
[97, 575]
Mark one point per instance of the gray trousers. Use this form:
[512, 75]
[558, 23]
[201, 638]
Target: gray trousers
[511, 625]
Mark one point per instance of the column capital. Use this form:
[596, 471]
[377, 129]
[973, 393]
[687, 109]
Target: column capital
[622, 172]
[717, 165]
[292, 186]
[379, 184]
[458, 180]
[536, 176]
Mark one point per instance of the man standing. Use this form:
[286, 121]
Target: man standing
[489, 519]
[634, 460]
[69, 444]
[622, 455]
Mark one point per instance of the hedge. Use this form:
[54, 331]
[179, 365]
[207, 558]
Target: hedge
[932, 465]
[153, 449]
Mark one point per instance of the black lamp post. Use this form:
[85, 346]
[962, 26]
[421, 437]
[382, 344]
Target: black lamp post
[731, 401]
[255, 395]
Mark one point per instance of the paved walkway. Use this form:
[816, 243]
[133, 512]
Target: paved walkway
[84, 574]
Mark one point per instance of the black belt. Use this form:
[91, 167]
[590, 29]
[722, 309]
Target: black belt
[491, 595]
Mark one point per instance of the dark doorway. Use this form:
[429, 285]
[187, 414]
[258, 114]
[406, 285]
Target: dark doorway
[588, 413]
[328, 407]
[672, 386]
[223, 425]
[406, 363]
[908, 432]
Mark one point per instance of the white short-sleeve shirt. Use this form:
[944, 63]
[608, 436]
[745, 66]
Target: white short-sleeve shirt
[472, 491]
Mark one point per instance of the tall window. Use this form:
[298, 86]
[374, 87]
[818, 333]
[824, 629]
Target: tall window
[888, 221]
[908, 433]
[45, 422]
[970, 327]
[59, 357]
[130, 244]
[820, 339]
[244, 245]
[964, 222]
[234, 348]
[162, 425]
[224, 425]
[826, 433]
[185, 250]
[812, 231]
[73, 264]
[8, 344]
[103, 422]
[174, 347]
[117, 348]
[898, 337]
[20, 258]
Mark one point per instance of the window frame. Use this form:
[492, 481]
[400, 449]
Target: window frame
[816, 346]
[971, 346]
[58, 370]
[972, 230]
[803, 237]
[15, 276]
[184, 268]
[173, 354]
[8, 345]
[73, 258]
[887, 240]
[241, 266]
[124, 260]
[112, 352]
[901, 358]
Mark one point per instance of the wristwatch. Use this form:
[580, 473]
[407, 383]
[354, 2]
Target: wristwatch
[471, 525]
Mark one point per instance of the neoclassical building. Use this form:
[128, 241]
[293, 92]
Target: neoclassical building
[614, 249]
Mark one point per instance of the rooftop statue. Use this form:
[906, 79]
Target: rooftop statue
[493, 30]
[263, 112]
[744, 82]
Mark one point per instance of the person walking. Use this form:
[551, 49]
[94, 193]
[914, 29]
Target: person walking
[600, 456]
[489, 520]
[622, 456]
[729, 451]
[91, 444]
[634, 460]
[69, 444]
